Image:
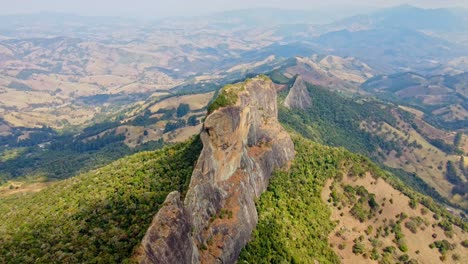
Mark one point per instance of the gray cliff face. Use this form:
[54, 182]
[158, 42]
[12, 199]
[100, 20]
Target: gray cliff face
[298, 96]
[170, 229]
[242, 145]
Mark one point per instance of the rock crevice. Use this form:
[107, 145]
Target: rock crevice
[242, 144]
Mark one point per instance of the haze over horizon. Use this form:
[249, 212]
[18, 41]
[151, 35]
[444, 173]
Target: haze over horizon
[159, 9]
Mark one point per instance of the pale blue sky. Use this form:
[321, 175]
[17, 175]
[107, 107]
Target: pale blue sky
[159, 8]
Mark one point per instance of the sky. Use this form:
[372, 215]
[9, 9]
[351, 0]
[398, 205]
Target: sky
[165, 8]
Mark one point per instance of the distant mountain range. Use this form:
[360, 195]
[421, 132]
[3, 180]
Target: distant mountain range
[445, 97]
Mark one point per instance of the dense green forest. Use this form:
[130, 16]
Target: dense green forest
[99, 216]
[294, 222]
[67, 157]
[335, 120]
[55, 155]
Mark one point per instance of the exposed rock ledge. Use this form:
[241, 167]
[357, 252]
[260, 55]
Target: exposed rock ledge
[298, 97]
[242, 145]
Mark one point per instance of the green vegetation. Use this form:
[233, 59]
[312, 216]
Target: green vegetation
[457, 139]
[294, 223]
[182, 110]
[227, 96]
[451, 174]
[359, 248]
[68, 156]
[366, 207]
[443, 246]
[336, 121]
[46, 153]
[414, 223]
[19, 86]
[464, 243]
[392, 88]
[193, 121]
[277, 77]
[171, 126]
[146, 119]
[97, 217]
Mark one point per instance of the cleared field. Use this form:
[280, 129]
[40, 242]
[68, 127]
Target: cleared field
[195, 101]
[182, 134]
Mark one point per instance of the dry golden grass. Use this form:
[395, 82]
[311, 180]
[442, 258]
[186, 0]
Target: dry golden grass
[452, 113]
[196, 102]
[427, 162]
[56, 118]
[23, 99]
[383, 191]
[17, 187]
[182, 134]
[416, 112]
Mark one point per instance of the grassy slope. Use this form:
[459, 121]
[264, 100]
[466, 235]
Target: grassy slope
[97, 217]
[336, 121]
[294, 221]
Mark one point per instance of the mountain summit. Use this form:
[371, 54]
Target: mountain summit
[243, 143]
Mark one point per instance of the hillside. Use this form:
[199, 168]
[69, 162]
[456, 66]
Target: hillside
[147, 208]
[32, 153]
[333, 206]
[443, 98]
[99, 216]
[393, 136]
[256, 135]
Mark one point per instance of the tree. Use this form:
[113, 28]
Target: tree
[457, 139]
[451, 174]
[182, 110]
[192, 121]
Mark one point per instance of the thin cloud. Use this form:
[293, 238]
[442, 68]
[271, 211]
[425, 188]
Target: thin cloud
[158, 8]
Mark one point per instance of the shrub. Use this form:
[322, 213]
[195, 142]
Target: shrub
[226, 97]
[182, 110]
[442, 245]
[464, 243]
[358, 248]
[412, 226]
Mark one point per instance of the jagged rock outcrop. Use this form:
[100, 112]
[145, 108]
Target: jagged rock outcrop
[242, 144]
[298, 96]
[170, 229]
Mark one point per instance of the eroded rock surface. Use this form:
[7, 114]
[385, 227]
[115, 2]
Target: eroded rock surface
[242, 145]
[298, 97]
[170, 229]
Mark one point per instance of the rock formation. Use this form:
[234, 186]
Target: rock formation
[242, 144]
[298, 96]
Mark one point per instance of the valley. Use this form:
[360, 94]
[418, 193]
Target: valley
[245, 136]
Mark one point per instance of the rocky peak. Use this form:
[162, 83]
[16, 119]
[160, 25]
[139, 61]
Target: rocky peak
[298, 96]
[243, 143]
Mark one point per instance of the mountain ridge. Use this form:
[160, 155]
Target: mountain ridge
[243, 142]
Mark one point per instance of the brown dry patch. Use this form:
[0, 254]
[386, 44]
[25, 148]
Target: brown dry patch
[196, 102]
[14, 187]
[134, 135]
[428, 162]
[350, 228]
[182, 134]
[55, 118]
[452, 113]
[22, 99]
